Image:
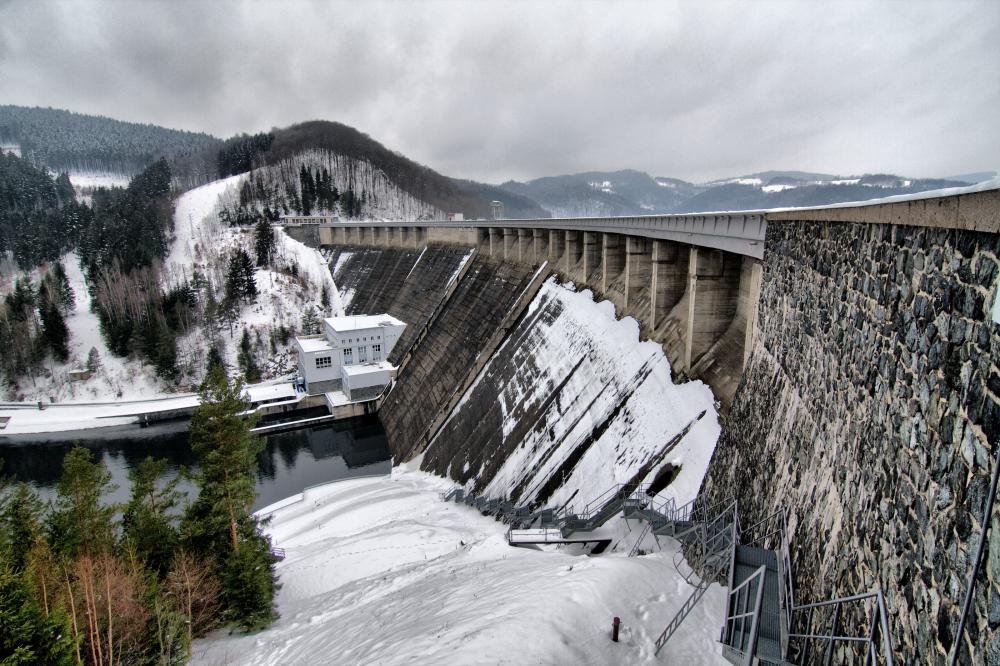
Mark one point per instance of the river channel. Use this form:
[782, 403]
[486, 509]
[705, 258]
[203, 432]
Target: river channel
[290, 462]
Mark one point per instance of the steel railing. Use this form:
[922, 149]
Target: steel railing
[739, 611]
[877, 642]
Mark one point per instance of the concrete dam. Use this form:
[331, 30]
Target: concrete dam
[849, 367]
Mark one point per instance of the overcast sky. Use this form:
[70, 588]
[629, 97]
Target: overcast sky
[492, 91]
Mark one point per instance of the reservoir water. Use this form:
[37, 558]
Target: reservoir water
[290, 462]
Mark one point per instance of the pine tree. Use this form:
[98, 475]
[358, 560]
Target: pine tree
[324, 298]
[310, 321]
[240, 282]
[264, 242]
[20, 524]
[220, 522]
[164, 353]
[28, 634]
[54, 331]
[67, 299]
[78, 522]
[148, 521]
[248, 363]
[93, 361]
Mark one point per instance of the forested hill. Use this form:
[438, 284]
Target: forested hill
[66, 141]
[421, 182]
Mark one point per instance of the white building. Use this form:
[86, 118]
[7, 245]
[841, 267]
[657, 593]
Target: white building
[350, 355]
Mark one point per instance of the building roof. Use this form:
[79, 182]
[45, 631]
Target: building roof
[361, 322]
[360, 369]
[270, 391]
[313, 343]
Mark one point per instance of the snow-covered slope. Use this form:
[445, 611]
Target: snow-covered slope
[382, 198]
[573, 403]
[201, 244]
[381, 571]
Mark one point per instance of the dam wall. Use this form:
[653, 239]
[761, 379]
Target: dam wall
[521, 387]
[477, 312]
[696, 301]
[572, 403]
[411, 284]
[870, 408]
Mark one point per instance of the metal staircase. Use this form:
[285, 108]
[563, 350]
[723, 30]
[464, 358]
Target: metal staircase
[532, 525]
[763, 625]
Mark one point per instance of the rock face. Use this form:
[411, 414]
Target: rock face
[870, 408]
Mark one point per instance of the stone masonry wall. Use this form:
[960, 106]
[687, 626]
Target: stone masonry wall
[871, 408]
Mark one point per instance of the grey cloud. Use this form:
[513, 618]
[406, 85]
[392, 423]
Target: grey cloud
[518, 90]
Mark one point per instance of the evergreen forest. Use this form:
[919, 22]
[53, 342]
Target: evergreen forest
[85, 581]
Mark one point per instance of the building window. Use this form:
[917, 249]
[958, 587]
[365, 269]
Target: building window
[324, 362]
[348, 356]
[362, 354]
[376, 352]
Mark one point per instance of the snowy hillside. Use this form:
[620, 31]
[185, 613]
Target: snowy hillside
[379, 196]
[201, 245]
[381, 571]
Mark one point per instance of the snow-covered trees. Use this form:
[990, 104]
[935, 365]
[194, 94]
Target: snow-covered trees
[32, 321]
[264, 242]
[320, 181]
[130, 224]
[240, 282]
[65, 140]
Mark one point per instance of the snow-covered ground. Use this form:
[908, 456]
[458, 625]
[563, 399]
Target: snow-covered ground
[381, 571]
[89, 180]
[118, 377]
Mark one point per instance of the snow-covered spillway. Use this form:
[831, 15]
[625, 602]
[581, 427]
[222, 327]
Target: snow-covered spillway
[571, 404]
[381, 571]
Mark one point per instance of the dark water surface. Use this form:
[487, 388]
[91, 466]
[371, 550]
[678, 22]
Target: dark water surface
[290, 461]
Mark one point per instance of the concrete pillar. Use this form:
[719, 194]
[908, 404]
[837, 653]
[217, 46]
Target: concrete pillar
[540, 246]
[713, 295]
[405, 237]
[510, 244]
[326, 236]
[591, 253]
[496, 242]
[637, 270]
[483, 240]
[365, 235]
[557, 247]
[574, 250]
[525, 244]
[420, 237]
[668, 278]
[612, 259]
[750, 280]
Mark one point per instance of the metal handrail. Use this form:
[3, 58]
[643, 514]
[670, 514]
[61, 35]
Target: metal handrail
[760, 576]
[636, 547]
[879, 624]
[687, 607]
[750, 536]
